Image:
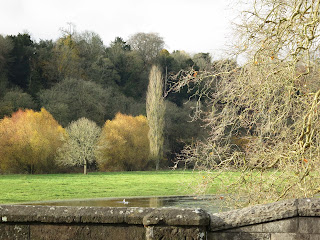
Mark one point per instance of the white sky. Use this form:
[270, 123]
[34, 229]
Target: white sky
[190, 25]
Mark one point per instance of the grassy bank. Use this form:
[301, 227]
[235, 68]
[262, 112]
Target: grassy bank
[26, 188]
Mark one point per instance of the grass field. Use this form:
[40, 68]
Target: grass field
[28, 188]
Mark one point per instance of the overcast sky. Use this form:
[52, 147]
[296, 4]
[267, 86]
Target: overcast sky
[190, 25]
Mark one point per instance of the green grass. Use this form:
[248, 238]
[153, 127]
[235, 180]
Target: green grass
[29, 188]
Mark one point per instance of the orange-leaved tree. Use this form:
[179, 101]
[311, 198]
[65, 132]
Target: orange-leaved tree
[28, 142]
[124, 144]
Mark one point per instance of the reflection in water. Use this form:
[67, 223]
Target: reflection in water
[210, 203]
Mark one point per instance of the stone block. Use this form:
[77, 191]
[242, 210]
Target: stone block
[86, 232]
[177, 217]
[100, 215]
[314, 236]
[14, 232]
[136, 215]
[309, 225]
[59, 214]
[257, 228]
[309, 207]
[254, 215]
[238, 236]
[289, 225]
[175, 233]
[289, 236]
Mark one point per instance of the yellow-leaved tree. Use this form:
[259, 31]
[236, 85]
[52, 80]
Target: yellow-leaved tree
[124, 144]
[67, 58]
[28, 142]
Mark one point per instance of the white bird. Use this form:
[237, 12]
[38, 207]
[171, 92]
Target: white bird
[124, 201]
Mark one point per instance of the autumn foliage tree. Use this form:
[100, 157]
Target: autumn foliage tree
[124, 144]
[28, 142]
[67, 58]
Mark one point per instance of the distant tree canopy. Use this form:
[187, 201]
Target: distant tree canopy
[78, 76]
[72, 99]
[19, 68]
[148, 45]
[129, 67]
[6, 46]
[14, 100]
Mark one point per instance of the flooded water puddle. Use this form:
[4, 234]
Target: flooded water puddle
[209, 203]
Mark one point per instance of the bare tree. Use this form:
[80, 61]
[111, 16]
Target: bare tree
[80, 146]
[148, 45]
[263, 116]
[155, 106]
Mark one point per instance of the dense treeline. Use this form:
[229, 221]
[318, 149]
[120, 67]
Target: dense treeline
[77, 76]
[34, 142]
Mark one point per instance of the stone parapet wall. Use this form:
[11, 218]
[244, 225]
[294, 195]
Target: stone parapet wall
[297, 228]
[291, 219]
[48, 222]
[297, 219]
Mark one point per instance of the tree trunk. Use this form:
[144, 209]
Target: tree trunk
[157, 164]
[85, 168]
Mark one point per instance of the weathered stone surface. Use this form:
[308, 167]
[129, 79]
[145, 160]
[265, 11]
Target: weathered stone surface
[291, 219]
[177, 217]
[254, 215]
[315, 237]
[238, 236]
[289, 236]
[56, 214]
[289, 225]
[309, 207]
[101, 215]
[14, 232]
[136, 215]
[257, 228]
[309, 225]
[86, 232]
[175, 233]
